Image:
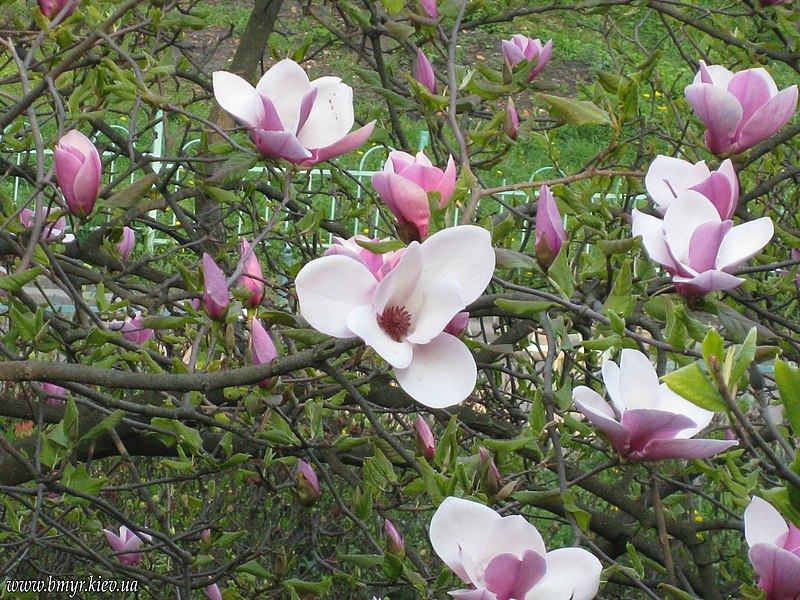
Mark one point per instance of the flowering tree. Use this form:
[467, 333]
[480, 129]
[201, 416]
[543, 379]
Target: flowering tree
[238, 357]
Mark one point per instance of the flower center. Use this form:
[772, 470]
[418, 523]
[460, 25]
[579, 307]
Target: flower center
[395, 321]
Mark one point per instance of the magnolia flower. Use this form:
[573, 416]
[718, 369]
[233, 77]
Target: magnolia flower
[78, 172]
[504, 558]
[307, 488]
[55, 393]
[127, 542]
[521, 48]
[53, 229]
[252, 278]
[774, 550]
[511, 121]
[739, 109]
[426, 444]
[646, 420]
[262, 347]
[304, 122]
[697, 247]
[394, 541]
[404, 185]
[403, 316]
[212, 592]
[550, 232]
[423, 72]
[127, 242]
[430, 8]
[215, 293]
[668, 177]
[378, 264]
[51, 8]
[132, 329]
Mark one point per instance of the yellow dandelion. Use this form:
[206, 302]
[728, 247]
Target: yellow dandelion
[659, 94]
[662, 108]
[123, 118]
[360, 152]
[646, 95]
[499, 172]
[365, 230]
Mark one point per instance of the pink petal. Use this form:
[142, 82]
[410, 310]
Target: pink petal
[652, 231]
[407, 200]
[549, 224]
[572, 574]
[215, 296]
[442, 373]
[768, 119]
[423, 72]
[689, 210]
[597, 411]
[238, 97]
[329, 289]
[722, 191]
[753, 88]
[348, 143]
[285, 84]
[763, 524]
[705, 243]
[478, 594]
[401, 286]
[661, 449]
[647, 424]
[719, 110]
[638, 382]
[667, 177]
[280, 144]
[709, 281]
[778, 571]
[264, 350]
[512, 53]
[512, 534]
[511, 577]
[544, 56]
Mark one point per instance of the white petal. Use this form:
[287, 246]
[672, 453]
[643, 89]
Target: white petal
[285, 84]
[239, 98]
[363, 322]
[763, 524]
[689, 210]
[611, 376]
[667, 177]
[460, 525]
[463, 254]
[401, 287]
[638, 382]
[672, 402]
[512, 534]
[441, 301]
[331, 117]
[743, 242]
[652, 231]
[572, 574]
[329, 289]
[442, 373]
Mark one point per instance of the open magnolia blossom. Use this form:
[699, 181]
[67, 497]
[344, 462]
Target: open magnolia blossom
[646, 420]
[304, 122]
[53, 230]
[127, 542]
[521, 48]
[404, 185]
[697, 247]
[668, 177]
[403, 315]
[504, 558]
[739, 109]
[774, 550]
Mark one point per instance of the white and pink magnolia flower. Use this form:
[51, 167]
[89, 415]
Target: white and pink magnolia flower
[132, 329]
[215, 289]
[646, 420]
[54, 229]
[304, 122]
[504, 558]
[668, 177]
[252, 277]
[127, 242]
[127, 542]
[404, 185]
[697, 247]
[550, 232]
[774, 550]
[378, 264]
[739, 109]
[56, 393]
[78, 171]
[423, 72]
[403, 315]
[521, 48]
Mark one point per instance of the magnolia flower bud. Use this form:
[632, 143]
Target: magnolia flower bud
[262, 347]
[430, 8]
[424, 72]
[307, 487]
[550, 232]
[212, 592]
[215, 294]
[252, 278]
[490, 473]
[57, 390]
[51, 8]
[426, 445]
[205, 537]
[511, 121]
[127, 242]
[78, 172]
[394, 541]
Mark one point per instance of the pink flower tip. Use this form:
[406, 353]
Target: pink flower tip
[394, 541]
[550, 232]
[215, 294]
[426, 444]
[78, 171]
[423, 72]
[307, 487]
[252, 277]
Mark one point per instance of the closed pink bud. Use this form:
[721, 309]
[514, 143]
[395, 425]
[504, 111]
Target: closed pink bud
[394, 541]
[426, 445]
[51, 8]
[550, 232]
[458, 324]
[78, 172]
[511, 121]
[490, 472]
[205, 537]
[212, 592]
[424, 72]
[404, 185]
[430, 8]
[307, 488]
[127, 542]
[739, 109]
[252, 278]
[127, 242]
[521, 49]
[55, 393]
[215, 294]
[262, 347]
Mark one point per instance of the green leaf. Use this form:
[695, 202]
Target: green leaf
[254, 568]
[788, 380]
[576, 112]
[560, 275]
[71, 420]
[184, 434]
[693, 383]
[165, 322]
[525, 308]
[13, 282]
[381, 247]
[621, 299]
[129, 196]
[744, 358]
[104, 426]
[676, 593]
[713, 345]
[609, 247]
[511, 259]
[319, 589]
[222, 196]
